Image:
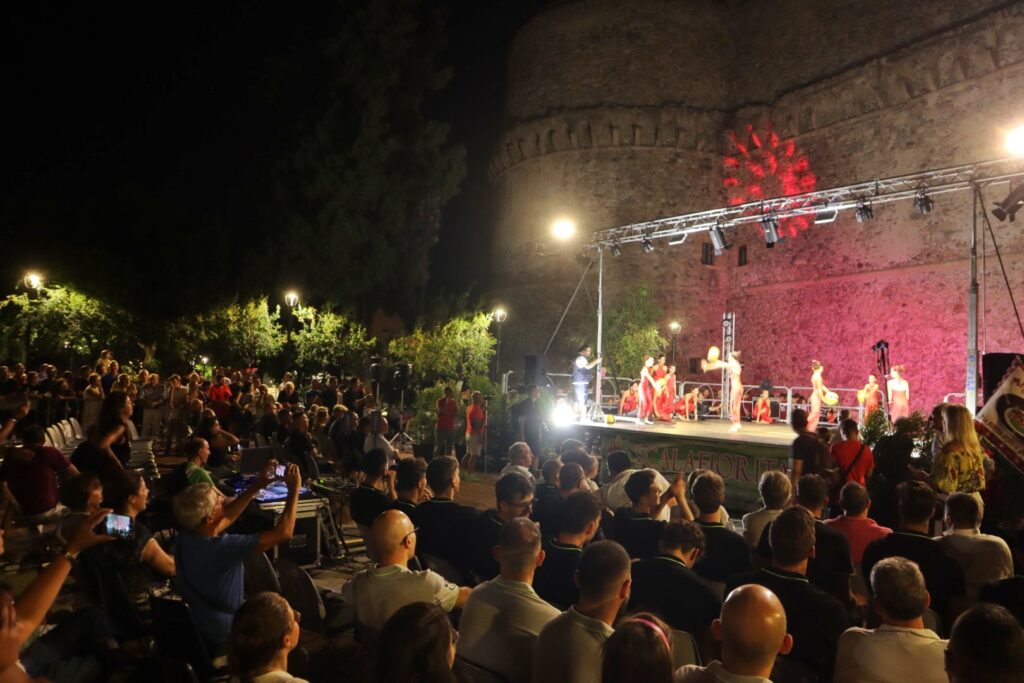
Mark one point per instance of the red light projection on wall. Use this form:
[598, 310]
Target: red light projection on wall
[762, 166]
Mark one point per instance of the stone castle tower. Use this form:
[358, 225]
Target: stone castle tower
[620, 111]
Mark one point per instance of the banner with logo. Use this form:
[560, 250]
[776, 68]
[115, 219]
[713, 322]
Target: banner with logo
[1000, 423]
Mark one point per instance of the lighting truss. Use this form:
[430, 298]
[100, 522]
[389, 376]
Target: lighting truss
[884, 191]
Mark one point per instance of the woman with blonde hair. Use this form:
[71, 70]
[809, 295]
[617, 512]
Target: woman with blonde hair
[960, 465]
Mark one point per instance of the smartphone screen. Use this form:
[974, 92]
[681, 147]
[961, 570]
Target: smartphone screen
[279, 470]
[119, 526]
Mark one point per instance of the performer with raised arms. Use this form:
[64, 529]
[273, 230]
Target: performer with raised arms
[898, 390]
[713, 362]
[647, 390]
[818, 392]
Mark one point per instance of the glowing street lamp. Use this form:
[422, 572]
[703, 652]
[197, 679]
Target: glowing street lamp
[674, 327]
[563, 229]
[499, 315]
[34, 280]
[291, 298]
[1015, 141]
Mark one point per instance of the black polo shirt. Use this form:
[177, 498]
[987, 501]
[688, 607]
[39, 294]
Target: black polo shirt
[942, 575]
[555, 579]
[486, 534]
[366, 503]
[663, 584]
[831, 566]
[725, 553]
[810, 450]
[548, 513]
[637, 533]
[814, 618]
[405, 506]
[445, 529]
[1007, 592]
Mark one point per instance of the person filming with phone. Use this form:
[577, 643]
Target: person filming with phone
[208, 562]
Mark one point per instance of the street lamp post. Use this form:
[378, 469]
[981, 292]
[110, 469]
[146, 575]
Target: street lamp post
[500, 315]
[291, 299]
[674, 326]
[34, 283]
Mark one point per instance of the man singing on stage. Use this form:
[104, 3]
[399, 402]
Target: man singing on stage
[582, 371]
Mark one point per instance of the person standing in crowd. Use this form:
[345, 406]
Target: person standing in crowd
[808, 454]
[476, 424]
[444, 426]
[263, 633]
[960, 465]
[153, 397]
[108, 447]
[852, 457]
[872, 395]
[775, 491]
[582, 375]
[354, 397]
[531, 423]
[898, 393]
[549, 512]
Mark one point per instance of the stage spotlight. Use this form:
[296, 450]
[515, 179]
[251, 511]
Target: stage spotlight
[864, 212]
[1015, 141]
[825, 214]
[616, 250]
[647, 245]
[923, 204]
[563, 229]
[1009, 206]
[718, 240]
[676, 241]
[770, 225]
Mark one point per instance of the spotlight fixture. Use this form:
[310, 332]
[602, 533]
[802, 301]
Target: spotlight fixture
[616, 250]
[647, 245]
[923, 204]
[718, 240]
[864, 212]
[825, 214]
[676, 241]
[770, 225]
[1009, 206]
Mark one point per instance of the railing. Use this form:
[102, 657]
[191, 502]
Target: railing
[753, 391]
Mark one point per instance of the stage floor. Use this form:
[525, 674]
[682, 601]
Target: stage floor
[713, 429]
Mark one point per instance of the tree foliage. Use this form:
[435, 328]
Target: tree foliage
[631, 332]
[461, 347]
[326, 339]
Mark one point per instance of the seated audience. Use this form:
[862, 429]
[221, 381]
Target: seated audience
[378, 592]
[568, 648]
[208, 562]
[901, 649]
[426, 648]
[855, 524]
[445, 526]
[725, 552]
[911, 540]
[775, 491]
[31, 474]
[81, 495]
[520, 457]
[548, 486]
[376, 493]
[831, 567]
[376, 437]
[815, 618]
[752, 633]
[588, 462]
[264, 631]
[549, 512]
[193, 470]
[613, 494]
[1009, 593]
[502, 617]
[514, 498]
[986, 645]
[640, 649]
[300, 447]
[667, 585]
[555, 580]
[982, 557]
[637, 528]
[220, 441]
[851, 456]
[410, 485]
[691, 479]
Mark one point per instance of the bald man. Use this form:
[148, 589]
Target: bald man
[379, 592]
[752, 631]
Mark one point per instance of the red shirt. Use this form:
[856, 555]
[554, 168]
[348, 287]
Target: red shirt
[447, 410]
[629, 404]
[763, 411]
[475, 417]
[859, 531]
[843, 454]
[219, 392]
[34, 482]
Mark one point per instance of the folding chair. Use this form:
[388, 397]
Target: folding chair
[260, 575]
[177, 637]
[76, 428]
[684, 649]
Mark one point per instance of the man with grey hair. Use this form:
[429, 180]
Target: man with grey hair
[502, 617]
[775, 490]
[901, 649]
[209, 562]
[520, 457]
[982, 557]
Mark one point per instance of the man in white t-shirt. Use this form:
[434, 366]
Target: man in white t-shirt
[520, 457]
[568, 649]
[901, 649]
[503, 616]
[581, 376]
[982, 557]
[379, 592]
[613, 494]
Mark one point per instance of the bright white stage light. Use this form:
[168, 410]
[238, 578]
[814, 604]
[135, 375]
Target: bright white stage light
[563, 414]
[1015, 141]
[563, 229]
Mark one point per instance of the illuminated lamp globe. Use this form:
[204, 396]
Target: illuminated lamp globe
[674, 326]
[291, 298]
[500, 314]
[1015, 141]
[563, 229]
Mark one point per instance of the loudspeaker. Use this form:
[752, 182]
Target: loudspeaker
[304, 547]
[533, 366]
[993, 367]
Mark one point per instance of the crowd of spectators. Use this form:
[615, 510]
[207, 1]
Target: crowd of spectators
[571, 576]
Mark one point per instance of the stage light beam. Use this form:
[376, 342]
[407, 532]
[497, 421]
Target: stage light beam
[563, 229]
[1015, 141]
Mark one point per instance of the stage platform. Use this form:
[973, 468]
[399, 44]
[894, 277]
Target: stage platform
[740, 457]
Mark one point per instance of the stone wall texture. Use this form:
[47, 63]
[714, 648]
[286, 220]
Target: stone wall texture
[623, 110]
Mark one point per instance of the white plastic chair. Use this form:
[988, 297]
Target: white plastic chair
[76, 428]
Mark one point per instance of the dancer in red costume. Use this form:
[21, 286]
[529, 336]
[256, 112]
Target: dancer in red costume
[665, 402]
[659, 372]
[763, 409]
[735, 384]
[818, 391]
[872, 393]
[630, 401]
[646, 395]
[899, 394]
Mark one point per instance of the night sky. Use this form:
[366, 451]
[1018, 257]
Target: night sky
[118, 101]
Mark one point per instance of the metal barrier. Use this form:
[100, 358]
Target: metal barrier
[751, 390]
